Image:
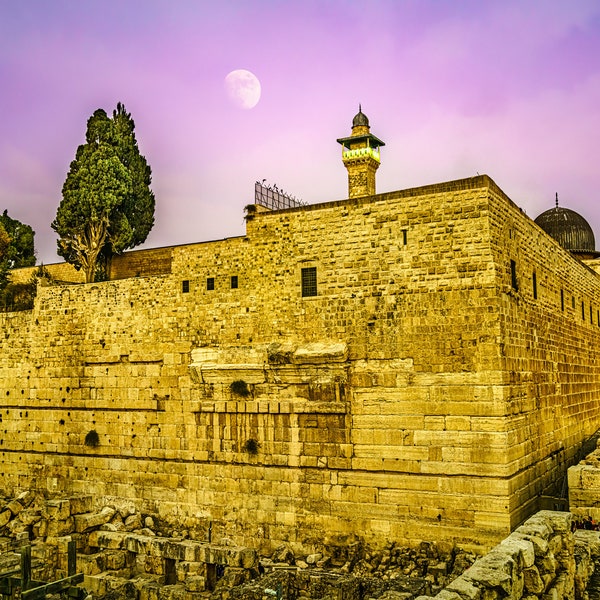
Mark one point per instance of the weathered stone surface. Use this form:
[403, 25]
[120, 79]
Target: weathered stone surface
[465, 589]
[533, 582]
[15, 507]
[540, 545]
[58, 510]
[133, 522]
[87, 521]
[60, 527]
[106, 539]
[81, 504]
[5, 517]
[397, 419]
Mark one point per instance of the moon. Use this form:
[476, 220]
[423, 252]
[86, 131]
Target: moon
[243, 88]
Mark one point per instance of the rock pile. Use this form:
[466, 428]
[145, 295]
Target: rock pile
[127, 554]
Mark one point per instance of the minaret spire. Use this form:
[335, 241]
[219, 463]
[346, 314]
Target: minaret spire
[360, 154]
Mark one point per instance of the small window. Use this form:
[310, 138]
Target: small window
[534, 286]
[185, 286]
[404, 236]
[583, 310]
[309, 281]
[234, 282]
[562, 300]
[513, 275]
[573, 301]
[210, 283]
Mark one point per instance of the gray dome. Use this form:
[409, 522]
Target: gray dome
[569, 229]
[360, 119]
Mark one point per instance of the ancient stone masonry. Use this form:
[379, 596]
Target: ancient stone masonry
[122, 553]
[381, 366]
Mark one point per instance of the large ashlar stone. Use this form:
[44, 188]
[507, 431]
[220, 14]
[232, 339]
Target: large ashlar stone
[15, 507]
[495, 570]
[106, 539]
[533, 582]
[521, 550]
[88, 521]
[465, 589]
[5, 517]
[58, 510]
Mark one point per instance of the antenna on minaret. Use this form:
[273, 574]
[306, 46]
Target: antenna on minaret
[556, 199]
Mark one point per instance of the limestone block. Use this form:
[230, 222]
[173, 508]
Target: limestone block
[40, 528]
[58, 509]
[26, 498]
[495, 570]
[589, 540]
[5, 517]
[96, 584]
[133, 522]
[521, 550]
[115, 560]
[195, 583]
[140, 544]
[154, 565]
[173, 550]
[60, 528]
[446, 594]
[86, 521]
[186, 569]
[560, 521]
[547, 565]
[29, 516]
[90, 564]
[540, 545]
[465, 589]
[533, 581]
[15, 507]
[81, 504]
[321, 352]
[555, 544]
[106, 539]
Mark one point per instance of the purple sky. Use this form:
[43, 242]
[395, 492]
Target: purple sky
[510, 88]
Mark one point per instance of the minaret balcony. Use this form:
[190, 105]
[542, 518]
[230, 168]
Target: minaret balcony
[361, 153]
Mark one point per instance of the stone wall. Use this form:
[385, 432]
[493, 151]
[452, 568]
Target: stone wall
[543, 558]
[417, 396]
[584, 487]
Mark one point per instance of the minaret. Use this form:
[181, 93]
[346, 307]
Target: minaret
[360, 153]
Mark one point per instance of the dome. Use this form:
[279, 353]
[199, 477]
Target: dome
[360, 119]
[569, 229]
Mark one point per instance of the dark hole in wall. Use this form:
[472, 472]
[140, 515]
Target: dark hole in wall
[170, 572]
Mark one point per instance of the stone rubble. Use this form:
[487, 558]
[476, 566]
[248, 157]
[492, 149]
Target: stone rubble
[126, 554]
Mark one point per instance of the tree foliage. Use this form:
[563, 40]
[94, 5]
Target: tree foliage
[21, 251]
[107, 204]
[4, 246]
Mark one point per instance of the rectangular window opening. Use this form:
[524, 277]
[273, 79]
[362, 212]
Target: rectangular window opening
[513, 275]
[210, 283]
[583, 310]
[534, 286]
[562, 300]
[234, 282]
[404, 236]
[309, 281]
[185, 286]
